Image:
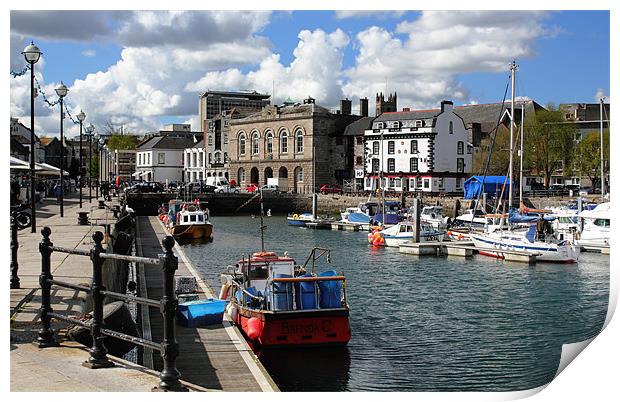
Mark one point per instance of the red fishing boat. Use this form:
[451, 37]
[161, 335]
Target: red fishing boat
[276, 303]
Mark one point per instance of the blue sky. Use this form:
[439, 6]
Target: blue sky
[148, 69]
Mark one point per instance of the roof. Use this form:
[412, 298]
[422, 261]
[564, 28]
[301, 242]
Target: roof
[45, 141]
[358, 126]
[238, 94]
[200, 144]
[167, 142]
[411, 115]
[308, 109]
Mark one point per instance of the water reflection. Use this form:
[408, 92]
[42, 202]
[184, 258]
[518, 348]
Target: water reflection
[316, 369]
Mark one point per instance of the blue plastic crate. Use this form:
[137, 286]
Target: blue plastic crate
[199, 313]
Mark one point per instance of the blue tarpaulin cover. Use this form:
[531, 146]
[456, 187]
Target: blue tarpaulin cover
[492, 186]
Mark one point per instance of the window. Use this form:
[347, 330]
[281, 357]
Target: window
[419, 123]
[412, 183]
[225, 137]
[459, 148]
[419, 183]
[139, 159]
[359, 140]
[391, 162]
[375, 148]
[413, 164]
[241, 175]
[255, 138]
[359, 160]
[269, 139]
[459, 182]
[210, 140]
[242, 144]
[299, 141]
[375, 165]
[440, 183]
[368, 182]
[391, 182]
[460, 165]
[300, 175]
[161, 158]
[451, 128]
[414, 146]
[602, 222]
[380, 125]
[391, 147]
[427, 183]
[284, 142]
[396, 182]
[218, 157]
[192, 218]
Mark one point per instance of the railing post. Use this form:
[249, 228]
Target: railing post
[46, 335]
[170, 375]
[14, 246]
[98, 352]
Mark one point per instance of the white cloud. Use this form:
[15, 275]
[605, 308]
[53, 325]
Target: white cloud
[438, 46]
[315, 71]
[601, 93]
[89, 53]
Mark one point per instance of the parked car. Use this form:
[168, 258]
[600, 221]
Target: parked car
[146, 187]
[225, 188]
[270, 188]
[585, 191]
[330, 189]
[251, 188]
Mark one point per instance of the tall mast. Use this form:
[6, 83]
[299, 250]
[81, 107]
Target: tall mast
[602, 172]
[513, 70]
[521, 157]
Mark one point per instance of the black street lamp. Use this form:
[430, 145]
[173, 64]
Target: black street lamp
[61, 91]
[89, 132]
[32, 54]
[81, 116]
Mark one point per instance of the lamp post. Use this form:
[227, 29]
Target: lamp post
[32, 54]
[81, 116]
[89, 132]
[100, 143]
[61, 91]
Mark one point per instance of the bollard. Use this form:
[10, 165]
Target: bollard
[46, 335]
[170, 375]
[98, 353]
[14, 246]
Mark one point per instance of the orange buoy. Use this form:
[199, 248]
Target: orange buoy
[255, 328]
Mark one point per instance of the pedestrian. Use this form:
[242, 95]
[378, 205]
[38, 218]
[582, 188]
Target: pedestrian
[56, 192]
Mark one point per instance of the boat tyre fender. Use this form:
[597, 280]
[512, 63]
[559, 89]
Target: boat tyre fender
[224, 291]
[295, 216]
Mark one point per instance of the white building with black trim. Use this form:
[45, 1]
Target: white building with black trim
[420, 150]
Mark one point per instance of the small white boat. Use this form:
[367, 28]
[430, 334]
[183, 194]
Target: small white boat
[434, 216]
[547, 249]
[596, 230]
[471, 218]
[403, 232]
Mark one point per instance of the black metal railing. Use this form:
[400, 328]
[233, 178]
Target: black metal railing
[14, 246]
[168, 305]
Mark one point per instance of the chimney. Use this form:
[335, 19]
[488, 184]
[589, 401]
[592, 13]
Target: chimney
[406, 109]
[345, 106]
[446, 105]
[364, 107]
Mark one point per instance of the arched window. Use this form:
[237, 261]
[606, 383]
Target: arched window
[218, 157]
[459, 148]
[242, 144]
[299, 141]
[255, 138]
[414, 146]
[451, 128]
[241, 175]
[269, 142]
[283, 142]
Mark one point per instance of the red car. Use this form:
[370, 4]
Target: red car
[251, 188]
[330, 189]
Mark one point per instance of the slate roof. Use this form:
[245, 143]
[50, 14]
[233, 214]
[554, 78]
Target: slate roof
[358, 126]
[167, 142]
[411, 115]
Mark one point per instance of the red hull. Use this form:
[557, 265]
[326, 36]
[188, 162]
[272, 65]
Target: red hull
[296, 328]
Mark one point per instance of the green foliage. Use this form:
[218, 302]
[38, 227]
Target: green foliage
[587, 155]
[549, 143]
[498, 165]
[126, 141]
[94, 166]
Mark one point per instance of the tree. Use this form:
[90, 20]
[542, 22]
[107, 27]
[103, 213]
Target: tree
[94, 167]
[587, 155]
[118, 141]
[498, 165]
[549, 142]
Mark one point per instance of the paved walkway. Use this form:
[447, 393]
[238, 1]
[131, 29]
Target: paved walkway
[59, 369]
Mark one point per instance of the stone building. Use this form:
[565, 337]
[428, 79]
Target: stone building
[301, 143]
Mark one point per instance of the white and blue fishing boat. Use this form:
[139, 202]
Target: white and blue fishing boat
[402, 233]
[299, 219]
[372, 212]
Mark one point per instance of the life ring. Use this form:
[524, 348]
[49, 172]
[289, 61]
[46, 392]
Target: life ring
[265, 254]
[295, 216]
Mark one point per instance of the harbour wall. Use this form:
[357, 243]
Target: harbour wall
[245, 203]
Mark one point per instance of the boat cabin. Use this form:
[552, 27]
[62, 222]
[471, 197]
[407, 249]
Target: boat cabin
[264, 265]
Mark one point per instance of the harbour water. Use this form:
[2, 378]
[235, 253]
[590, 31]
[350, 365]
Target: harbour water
[426, 324]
